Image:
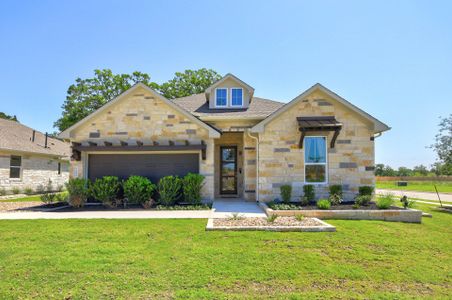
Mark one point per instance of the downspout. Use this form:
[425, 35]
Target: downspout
[257, 162]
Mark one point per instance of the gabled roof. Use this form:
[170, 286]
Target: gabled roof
[259, 108]
[226, 77]
[378, 125]
[212, 131]
[17, 137]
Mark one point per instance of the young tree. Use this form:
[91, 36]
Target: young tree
[188, 83]
[8, 117]
[379, 169]
[87, 95]
[443, 146]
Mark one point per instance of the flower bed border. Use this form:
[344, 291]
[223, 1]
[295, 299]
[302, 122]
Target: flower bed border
[324, 228]
[392, 215]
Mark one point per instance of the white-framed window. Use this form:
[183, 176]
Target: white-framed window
[15, 166]
[236, 97]
[221, 97]
[315, 159]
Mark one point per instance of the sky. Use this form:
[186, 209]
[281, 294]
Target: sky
[392, 59]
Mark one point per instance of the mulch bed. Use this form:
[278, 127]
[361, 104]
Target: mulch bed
[279, 221]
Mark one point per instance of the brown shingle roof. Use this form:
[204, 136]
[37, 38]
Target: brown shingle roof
[17, 137]
[197, 105]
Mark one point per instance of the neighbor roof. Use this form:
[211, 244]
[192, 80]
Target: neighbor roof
[17, 137]
[212, 131]
[378, 125]
[259, 108]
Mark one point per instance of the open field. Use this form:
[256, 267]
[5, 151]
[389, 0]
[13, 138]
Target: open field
[419, 186]
[179, 259]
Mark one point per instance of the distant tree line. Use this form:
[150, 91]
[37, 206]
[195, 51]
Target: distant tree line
[420, 170]
[8, 117]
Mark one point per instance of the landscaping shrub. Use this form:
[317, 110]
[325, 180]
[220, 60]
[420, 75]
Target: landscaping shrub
[48, 198]
[192, 185]
[169, 188]
[299, 218]
[185, 207]
[384, 202]
[365, 190]
[323, 204]
[286, 193]
[271, 218]
[78, 191]
[363, 200]
[407, 203]
[138, 190]
[105, 190]
[308, 194]
[28, 191]
[335, 194]
[15, 190]
[283, 206]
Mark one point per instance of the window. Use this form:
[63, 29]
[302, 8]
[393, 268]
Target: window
[15, 165]
[237, 97]
[221, 96]
[315, 159]
[59, 168]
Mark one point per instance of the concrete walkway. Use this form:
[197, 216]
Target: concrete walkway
[221, 209]
[226, 207]
[417, 195]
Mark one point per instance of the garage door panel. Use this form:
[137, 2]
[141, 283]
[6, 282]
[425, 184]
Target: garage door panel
[152, 166]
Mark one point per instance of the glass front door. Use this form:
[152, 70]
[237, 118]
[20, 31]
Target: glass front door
[228, 170]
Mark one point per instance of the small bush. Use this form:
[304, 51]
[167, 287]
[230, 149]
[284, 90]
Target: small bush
[363, 200]
[15, 190]
[286, 193]
[61, 197]
[192, 185]
[355, 206]
[283, 206]
[309, 193]
[406, 202]
[304, 201]
[169, 189]
[105, 190]
[138, 189]
[48, 198]
[299, 218]
[365, 190]
[271, 218]
[323, 204]
[384, 202]
[184, 207]
[78, 191]
[336, 189]
[28, 191]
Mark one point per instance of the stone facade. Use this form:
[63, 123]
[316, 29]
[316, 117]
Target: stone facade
[282, 161]
[36, 171]
[140, 116]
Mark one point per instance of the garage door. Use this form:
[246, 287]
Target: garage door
[152, 166]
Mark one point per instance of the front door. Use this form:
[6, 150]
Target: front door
[228, 170]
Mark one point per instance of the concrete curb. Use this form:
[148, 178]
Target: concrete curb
[324, 228]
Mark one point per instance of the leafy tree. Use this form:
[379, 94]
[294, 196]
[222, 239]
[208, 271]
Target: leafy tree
[443, 146]
[404, 172]
[8, 117]
[420, 170]
[388, 171]
[188, 83]
[379, 170]
[87, 95]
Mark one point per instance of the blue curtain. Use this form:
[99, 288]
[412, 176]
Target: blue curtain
[315, 151]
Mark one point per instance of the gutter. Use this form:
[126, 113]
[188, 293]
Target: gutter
[257, 162]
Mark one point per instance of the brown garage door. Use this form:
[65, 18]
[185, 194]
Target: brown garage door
[152, 166]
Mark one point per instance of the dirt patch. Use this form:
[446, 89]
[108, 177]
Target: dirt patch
[18, 206]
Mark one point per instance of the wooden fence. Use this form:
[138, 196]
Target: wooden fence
[414, 178]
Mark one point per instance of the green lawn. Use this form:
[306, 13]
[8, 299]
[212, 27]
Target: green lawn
[420, 186]
[179, 259]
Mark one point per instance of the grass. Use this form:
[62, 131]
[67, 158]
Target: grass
[34, 198]
[419, 186]
[179, 259]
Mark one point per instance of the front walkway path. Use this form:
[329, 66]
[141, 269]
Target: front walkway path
[417, 195]
[224, 208]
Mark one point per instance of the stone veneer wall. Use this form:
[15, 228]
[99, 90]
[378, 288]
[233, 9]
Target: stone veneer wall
[350, 163]
[36, 171]
[141, 116]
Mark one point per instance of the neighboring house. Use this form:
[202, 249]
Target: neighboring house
[29, 160]
[245, 146]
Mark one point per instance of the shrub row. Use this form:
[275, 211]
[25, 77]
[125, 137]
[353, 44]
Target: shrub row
[136, 190]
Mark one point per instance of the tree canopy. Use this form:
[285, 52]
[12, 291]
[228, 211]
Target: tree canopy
[443, 146]
[8, 117]
[87, 95]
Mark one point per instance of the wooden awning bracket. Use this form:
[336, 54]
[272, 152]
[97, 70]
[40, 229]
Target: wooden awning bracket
[322, 123]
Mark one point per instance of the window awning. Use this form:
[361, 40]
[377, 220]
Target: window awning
[320, 123]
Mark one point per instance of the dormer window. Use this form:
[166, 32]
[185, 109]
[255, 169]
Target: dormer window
[236, 97]
[221, 97]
